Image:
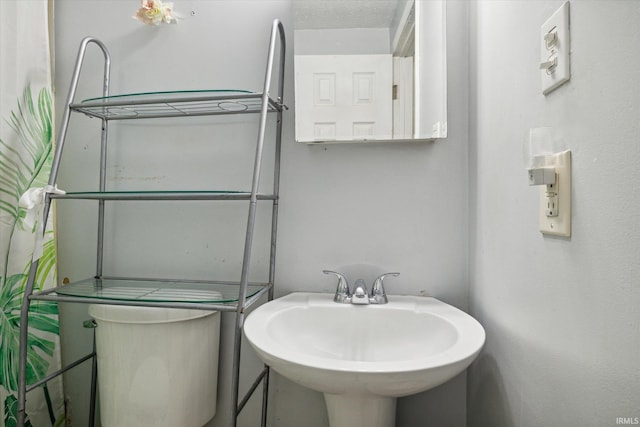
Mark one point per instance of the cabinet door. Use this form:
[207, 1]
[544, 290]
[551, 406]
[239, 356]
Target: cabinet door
[343, 97]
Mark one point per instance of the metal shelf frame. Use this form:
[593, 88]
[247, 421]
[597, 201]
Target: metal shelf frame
[149, 106]
[163, 195]
[160, 105]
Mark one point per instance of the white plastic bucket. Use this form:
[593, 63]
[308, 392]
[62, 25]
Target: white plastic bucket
[156, 366]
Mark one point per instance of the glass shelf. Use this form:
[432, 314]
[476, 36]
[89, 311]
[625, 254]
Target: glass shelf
[143, 290]
[174, 104]
[162, 195]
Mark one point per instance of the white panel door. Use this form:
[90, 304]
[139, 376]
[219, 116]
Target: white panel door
[343, 97]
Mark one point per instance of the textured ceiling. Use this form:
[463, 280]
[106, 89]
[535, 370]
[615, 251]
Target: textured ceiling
[319, 14]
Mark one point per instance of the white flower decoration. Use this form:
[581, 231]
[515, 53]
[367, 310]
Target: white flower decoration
[155, 12]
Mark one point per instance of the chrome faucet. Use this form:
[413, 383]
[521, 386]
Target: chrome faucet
[360, 295]
[378, 293]
[342, 290]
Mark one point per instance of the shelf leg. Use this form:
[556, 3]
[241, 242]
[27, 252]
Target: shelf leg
[265, 396]
[94, 383]
[235, 379]
[24, 330]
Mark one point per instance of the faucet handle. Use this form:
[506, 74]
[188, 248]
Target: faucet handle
[342, 290]
[378, 294]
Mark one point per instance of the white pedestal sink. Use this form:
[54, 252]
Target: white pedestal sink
[362, 357]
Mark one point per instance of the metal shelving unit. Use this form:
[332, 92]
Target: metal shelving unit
[233, 297]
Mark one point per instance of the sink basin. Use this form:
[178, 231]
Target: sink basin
[362, 357]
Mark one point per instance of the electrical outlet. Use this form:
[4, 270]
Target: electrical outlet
[555, 199]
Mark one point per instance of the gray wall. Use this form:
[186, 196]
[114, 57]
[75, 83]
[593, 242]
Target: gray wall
[400, 206]
[561, 314]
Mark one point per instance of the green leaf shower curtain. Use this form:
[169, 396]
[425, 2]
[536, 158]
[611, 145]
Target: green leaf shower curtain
[26, 138]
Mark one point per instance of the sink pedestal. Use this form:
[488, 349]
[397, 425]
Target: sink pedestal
[347, 410]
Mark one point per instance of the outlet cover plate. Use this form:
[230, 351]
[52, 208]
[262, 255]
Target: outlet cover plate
[558, 23]
[557, 225]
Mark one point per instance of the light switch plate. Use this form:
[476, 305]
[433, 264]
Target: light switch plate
[555, 47]
[559, 225]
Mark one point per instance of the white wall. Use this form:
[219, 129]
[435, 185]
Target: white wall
[561, 314]
[400, 207]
